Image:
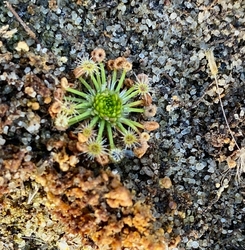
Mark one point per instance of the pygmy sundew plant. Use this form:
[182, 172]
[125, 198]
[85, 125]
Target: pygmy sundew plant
[106, 106]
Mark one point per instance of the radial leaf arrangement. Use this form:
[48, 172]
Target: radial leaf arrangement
[106, 106]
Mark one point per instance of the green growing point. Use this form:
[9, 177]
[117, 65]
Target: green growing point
[108, 106]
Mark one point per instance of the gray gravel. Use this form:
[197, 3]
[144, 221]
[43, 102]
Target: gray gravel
[166, 40]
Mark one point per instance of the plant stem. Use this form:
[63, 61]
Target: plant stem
[87, 86]
[223, 111]
[103, 76]
[133, 104]
[79, 118]
[110, 135]
[101, 130]
[132, 124]
[76, 92]
[96, 84]
[121, 80]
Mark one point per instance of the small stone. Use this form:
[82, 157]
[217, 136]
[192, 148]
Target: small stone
[62, 245]
[165, 182]
[200, 166]
[35, 106]
[2, 141]
[173, 16]
[195, 244]
[34, 125]
[30, 91]
[22, 46]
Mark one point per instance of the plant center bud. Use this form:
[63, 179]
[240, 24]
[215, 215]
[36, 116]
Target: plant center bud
[108, 106]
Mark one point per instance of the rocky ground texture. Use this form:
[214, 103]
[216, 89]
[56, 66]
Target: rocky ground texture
[183, 193]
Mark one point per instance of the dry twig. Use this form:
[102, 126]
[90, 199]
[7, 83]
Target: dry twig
[25, 26]
[241, 158]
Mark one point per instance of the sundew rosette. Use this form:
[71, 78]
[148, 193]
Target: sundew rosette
[105, 107]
